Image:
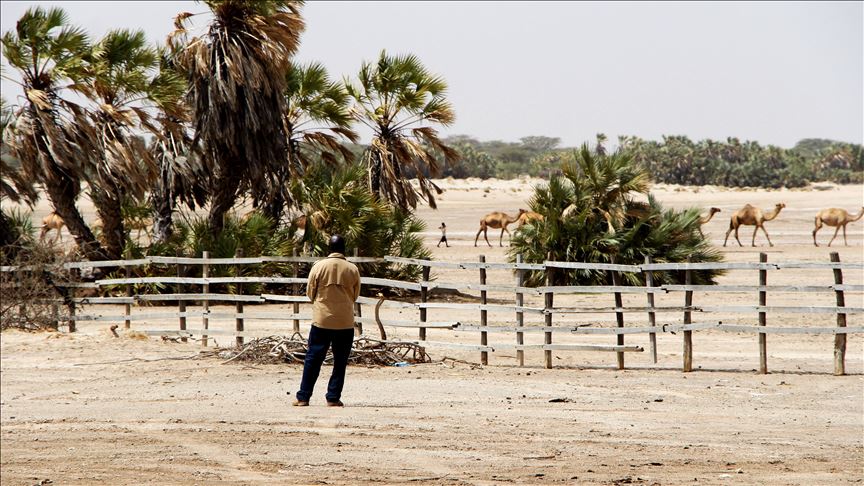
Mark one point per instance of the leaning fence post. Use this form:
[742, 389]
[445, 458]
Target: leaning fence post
[520, 314]
[763, 300]
[548, 302]
[181, 304]
[205, 320]
[688, 334]
[127, 308]
[619, 316]
[239, 305]
[424, 296]
[484, 338]
[295, 291]
[839, 339]
[652, 320]
[358, 309]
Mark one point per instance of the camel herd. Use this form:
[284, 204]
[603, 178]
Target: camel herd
[749, 215]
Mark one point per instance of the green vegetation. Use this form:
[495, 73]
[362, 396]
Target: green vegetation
[590, 215]
[674, 160]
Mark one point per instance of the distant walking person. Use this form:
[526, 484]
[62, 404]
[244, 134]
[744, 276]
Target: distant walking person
[443, 239]
[334, 285]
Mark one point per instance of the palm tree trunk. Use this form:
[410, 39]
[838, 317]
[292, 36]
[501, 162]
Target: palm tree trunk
[274, 207]
[5, 233]
[223, 197]
[63, 195]
[375, 173]
[163, 208]
[109, 207]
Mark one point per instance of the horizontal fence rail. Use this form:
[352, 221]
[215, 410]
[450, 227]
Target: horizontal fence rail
[493, 316]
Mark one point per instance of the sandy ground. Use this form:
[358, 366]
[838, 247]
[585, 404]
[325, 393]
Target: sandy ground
[89, 408]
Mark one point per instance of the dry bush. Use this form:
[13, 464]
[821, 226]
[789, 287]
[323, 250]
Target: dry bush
[32, 288]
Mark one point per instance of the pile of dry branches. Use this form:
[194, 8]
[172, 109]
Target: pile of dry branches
[366, 351]
[33, 296]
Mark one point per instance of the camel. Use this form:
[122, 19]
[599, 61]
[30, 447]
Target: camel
[141, 224]
[704, 219]
[300, 222]
[752, 216]
[496, 220]
[52, 222]
[526, 217]
[835, 217]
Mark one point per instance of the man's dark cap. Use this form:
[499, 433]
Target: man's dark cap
[337, 244]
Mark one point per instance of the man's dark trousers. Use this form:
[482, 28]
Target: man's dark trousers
[320, 340]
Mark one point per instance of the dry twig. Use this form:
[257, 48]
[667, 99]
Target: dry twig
[366, 351]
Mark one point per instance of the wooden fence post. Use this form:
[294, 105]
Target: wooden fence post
[484, 355]
[520, 315]
[619, 316]
[127, 308]
[652, 320]
[688, 335]
[181, 304]
[295, 291]
[358, 308]
[839, 339]
[205, 320]
[72, 323]
[238, 326]
[548, 303]
[424, 297]
[55, 315]
[763, 300]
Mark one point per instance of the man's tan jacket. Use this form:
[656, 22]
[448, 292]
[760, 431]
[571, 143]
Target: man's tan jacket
[334, 285]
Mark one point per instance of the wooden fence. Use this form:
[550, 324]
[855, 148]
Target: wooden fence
[516, 312]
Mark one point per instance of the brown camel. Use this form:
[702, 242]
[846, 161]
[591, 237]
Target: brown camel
[51, 222]
[300, 222]
[496, 220]
[752, 216]
[838, 218]
[526, 217]
[705, 219]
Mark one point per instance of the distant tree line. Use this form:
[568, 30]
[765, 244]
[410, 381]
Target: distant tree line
[673, 160]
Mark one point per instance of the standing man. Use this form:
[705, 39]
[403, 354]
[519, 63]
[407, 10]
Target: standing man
[334, 285]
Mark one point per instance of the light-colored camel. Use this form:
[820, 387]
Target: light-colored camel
[838, 218]
[752, 216]
[496, 220]
[526, 217]
[141, 224]
[705, 219]
[51, 222]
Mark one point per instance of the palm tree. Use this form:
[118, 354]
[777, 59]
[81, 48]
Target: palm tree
[591, 215]
[124, 86]
[181, 175]
[236, 76]
[340, 201]
[51, 132]
[399, 99]
[317, 121]
[13, 185]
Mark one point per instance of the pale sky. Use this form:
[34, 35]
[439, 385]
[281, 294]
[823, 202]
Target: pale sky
[775, 72]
